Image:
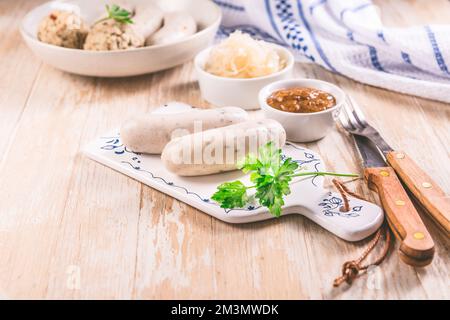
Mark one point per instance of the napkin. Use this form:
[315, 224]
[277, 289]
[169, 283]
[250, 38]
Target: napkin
[349, 38]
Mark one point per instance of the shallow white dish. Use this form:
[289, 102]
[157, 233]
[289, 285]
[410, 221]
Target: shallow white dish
[308, 197]
[243, 93]
[303, 127]
[124, 62]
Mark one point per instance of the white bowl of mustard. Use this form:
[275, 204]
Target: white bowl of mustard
[308, 125]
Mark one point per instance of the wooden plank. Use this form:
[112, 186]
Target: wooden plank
[18, 67]
[102, 206]
[36, 176]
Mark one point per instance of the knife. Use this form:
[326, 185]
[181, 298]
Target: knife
[417, 246]
[426, 191]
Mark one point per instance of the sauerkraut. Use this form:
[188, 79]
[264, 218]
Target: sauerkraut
[241, 56]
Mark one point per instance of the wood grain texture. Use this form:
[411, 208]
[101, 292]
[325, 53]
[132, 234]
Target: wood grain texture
[431, 196]
[404, 220]
[71, 228]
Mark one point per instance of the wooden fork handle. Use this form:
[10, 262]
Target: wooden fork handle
[427, 192]
[402, 216]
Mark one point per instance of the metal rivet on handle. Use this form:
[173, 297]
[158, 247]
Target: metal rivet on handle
[418, 235]
[384, 173]
[400, 155]
[400, 202]
[426, 185]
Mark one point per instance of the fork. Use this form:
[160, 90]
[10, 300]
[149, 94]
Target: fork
[427, 192]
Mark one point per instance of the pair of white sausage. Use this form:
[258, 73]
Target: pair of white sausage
[188, 151]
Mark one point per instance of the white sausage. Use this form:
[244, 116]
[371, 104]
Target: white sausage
[218, 150]
[150, 133]
[177, 25]
[148, 18]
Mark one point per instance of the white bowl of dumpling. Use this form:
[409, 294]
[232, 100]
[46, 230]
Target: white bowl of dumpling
[77, 36]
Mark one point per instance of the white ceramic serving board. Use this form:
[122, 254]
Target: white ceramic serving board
[308, 196]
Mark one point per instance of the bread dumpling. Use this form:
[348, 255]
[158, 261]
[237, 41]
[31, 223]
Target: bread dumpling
[63, 29]
[112, 35]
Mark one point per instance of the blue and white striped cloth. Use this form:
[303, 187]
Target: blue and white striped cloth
[348, 37]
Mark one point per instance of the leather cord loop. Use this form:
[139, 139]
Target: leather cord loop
[353, 269]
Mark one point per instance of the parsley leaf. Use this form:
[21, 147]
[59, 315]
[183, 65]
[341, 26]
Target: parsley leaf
[271, 188]
[231, 195]
[119, 14]
[249, 163]
[271, 174]
[269, 157]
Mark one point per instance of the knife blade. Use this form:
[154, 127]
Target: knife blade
[368, 152]
[417, 246]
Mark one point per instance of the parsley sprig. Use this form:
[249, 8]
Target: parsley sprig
[117, 13]
[271, 176]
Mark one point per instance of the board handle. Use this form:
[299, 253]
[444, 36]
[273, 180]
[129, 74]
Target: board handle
[402, 216]
[326, 209]
[427, 192]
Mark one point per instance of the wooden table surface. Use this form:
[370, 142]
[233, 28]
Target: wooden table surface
[72, 228]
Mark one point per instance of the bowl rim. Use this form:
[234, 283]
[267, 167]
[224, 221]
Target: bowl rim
[265, 92]
[25, 34]
[200, 69]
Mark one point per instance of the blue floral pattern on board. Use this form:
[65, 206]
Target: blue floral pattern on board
[329, 205]
[332, 204]
[115, 144]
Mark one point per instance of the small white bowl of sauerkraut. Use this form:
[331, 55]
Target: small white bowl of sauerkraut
[233, 72]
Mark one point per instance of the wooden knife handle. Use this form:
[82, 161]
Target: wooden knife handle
[405, 222]
[433, 198]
